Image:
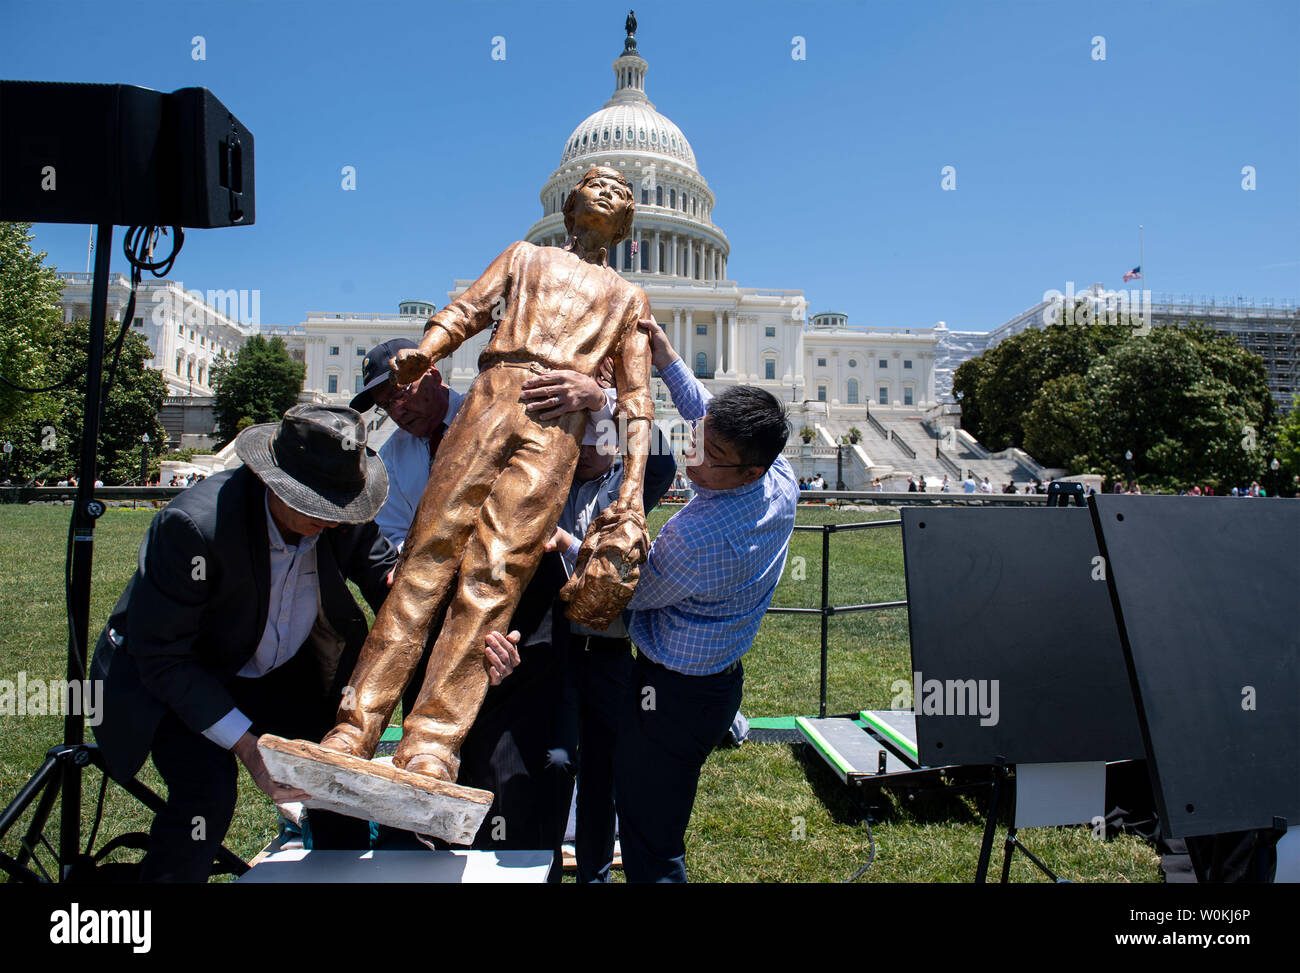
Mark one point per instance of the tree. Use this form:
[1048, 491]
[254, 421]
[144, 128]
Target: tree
[997, 388]
[50, 447]
[29, 309]
[1192, 406]
[1288, 449]
[1061, 424]
[259, 384]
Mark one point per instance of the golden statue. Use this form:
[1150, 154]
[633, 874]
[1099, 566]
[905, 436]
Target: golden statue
[499, 486]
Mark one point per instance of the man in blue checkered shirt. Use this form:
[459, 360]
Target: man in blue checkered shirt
[709, 578]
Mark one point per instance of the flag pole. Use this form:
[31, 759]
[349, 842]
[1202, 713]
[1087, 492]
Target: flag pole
[1142, 262]
[90, 248]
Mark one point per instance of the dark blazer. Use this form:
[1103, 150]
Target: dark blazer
[195, 610]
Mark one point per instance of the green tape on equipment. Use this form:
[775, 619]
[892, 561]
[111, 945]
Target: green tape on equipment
[821, 743]
[884, 729]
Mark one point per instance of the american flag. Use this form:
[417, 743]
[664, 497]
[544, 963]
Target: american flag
[1133, 274]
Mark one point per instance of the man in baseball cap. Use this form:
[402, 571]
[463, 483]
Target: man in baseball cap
[239, 621]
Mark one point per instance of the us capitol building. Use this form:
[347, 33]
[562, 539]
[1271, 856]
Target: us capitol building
[875, 386]
[828, 374]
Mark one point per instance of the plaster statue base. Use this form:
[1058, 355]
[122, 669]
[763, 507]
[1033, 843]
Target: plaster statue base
[375, 790]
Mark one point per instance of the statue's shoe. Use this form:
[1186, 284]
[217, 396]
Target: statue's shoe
[428, 765]
[346, 739]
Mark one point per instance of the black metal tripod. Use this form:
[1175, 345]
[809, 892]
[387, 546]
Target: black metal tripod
[61, 772]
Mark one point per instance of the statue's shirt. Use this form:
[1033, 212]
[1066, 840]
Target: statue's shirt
[550, 307]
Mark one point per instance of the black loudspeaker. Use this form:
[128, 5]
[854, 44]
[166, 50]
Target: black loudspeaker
[121, 154]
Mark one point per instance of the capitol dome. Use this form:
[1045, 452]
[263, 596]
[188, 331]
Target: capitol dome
[673, 233]
[631, 127]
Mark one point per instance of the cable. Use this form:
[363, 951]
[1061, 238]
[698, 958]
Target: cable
[870, 858]
[138, 246]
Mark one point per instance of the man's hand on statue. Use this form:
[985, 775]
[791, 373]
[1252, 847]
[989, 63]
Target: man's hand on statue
[555, 393]
[409, 364]
[605, 374]
[661, 352]
[246, 750]
[502, 655]
[560, 540]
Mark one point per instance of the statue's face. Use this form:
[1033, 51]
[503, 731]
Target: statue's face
[600, 205]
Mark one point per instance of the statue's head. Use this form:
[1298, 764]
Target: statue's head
[601, 183]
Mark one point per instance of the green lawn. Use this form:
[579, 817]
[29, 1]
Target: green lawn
[764, 812]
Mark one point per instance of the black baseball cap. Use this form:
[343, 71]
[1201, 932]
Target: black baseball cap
[376, 368]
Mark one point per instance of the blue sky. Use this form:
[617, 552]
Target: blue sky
[827, 170]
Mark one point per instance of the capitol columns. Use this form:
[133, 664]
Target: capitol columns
[733, 341]
[654, 256]
[690, 341]
[677, 329]
[717, 327]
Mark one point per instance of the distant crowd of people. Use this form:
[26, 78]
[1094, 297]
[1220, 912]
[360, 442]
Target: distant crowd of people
[1197, 490]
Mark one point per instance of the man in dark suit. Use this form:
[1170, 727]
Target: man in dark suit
[238, 621]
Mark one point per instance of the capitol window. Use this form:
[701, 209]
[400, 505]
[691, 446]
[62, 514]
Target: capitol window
[884, 363]
[672, 198]
[361, 352]
[769, 368]
[659, 195]
[701, 329]
[907, 395]
[884, 395]
[770, 331]
[332, 385]
[821, 393]
[334, 350]
[701, 365]
[645, 196]
[907, 363]
[853, 392]
[853, 363]
[821, 362]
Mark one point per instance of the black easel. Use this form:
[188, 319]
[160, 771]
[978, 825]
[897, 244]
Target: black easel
[1058, 495]
[61, 772]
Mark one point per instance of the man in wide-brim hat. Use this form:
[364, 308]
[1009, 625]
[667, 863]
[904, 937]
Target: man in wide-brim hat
[239, 621]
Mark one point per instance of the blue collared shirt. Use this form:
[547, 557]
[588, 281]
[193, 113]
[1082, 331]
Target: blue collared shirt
[715, 565]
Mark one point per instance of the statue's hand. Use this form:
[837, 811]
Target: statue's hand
[606, 574]
[622, 531]
[409, 364]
